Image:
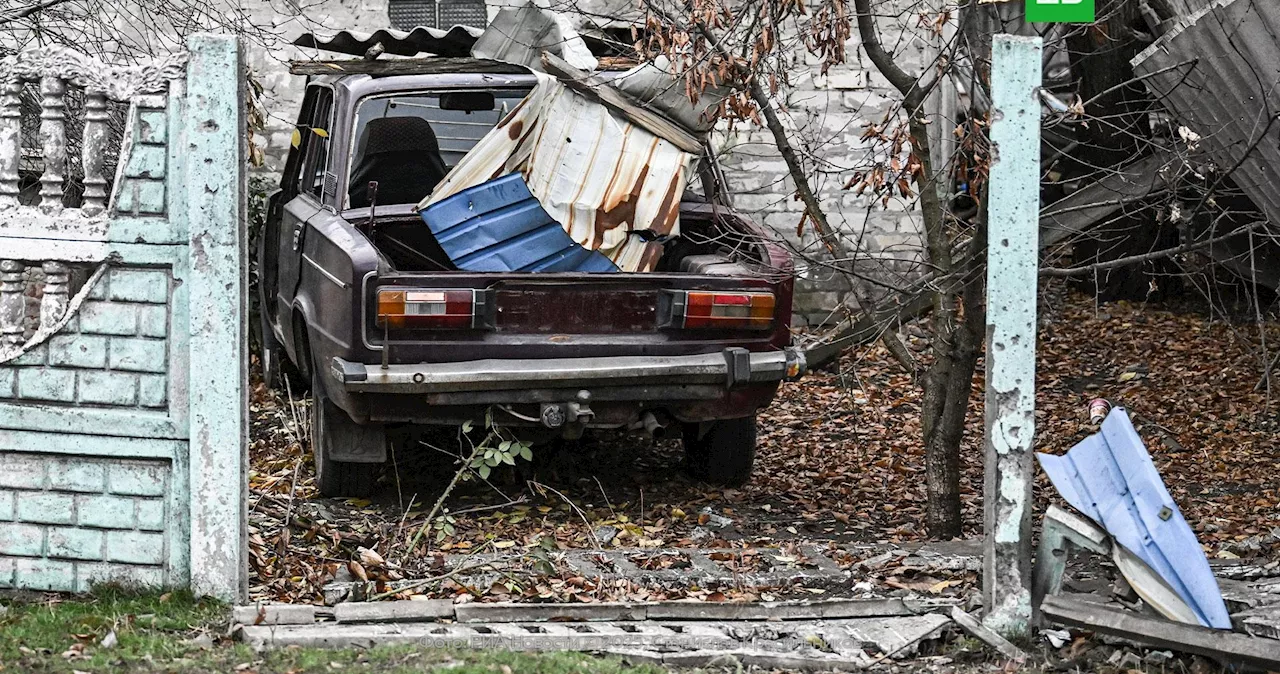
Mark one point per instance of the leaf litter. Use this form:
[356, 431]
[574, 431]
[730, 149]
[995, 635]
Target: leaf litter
[840, 466]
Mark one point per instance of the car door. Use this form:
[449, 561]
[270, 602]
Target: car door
[304, 186]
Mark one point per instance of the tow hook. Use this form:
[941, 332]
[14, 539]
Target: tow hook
[573, 416]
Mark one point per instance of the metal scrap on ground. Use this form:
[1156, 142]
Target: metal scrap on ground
[1110, 478]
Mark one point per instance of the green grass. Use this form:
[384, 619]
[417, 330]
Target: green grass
[163, 633]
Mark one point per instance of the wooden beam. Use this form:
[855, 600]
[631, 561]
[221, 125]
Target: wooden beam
[1219, 644]
[1079, 211]
[434, 65]
[597, 89]
[981, 632]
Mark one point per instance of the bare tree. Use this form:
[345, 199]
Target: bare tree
[126, 30]
[1100, 121]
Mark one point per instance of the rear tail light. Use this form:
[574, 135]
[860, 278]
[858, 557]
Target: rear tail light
[411, 308]
[722, 310]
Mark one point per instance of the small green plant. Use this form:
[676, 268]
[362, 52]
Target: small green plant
[444, 526]
[505, 452]
[542, 561]
[498, 446]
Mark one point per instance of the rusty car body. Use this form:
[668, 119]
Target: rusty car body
[559, 352]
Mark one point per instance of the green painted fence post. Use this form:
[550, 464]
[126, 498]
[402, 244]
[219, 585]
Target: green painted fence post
[1012, 258]
[218, 313]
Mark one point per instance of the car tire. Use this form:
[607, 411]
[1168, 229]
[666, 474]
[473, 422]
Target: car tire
[724, 454]
[331, 427]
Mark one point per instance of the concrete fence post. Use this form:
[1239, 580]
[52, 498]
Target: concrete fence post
[218, 314]
[1013, 235]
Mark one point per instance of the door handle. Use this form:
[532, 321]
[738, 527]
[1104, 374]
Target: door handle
[298, 229]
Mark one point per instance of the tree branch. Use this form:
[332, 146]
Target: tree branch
[19, 14]
[1146, 257]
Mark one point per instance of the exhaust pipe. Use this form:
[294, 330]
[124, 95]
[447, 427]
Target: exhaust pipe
[651, 426]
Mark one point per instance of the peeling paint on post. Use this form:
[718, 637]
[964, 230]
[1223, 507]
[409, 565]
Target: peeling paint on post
[1013, 232]
[215, 189]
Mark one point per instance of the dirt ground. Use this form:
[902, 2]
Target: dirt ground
[840, 462]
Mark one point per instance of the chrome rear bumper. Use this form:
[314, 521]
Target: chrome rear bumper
[729, 368]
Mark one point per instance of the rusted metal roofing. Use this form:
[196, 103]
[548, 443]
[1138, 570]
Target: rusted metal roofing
[456, 41]
[1218, 72]
[601, 177]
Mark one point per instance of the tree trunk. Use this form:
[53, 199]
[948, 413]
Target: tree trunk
[947, 381]
[947, 388]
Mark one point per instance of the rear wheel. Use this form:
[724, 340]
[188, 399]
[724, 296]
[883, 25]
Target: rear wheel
[332, 429]
[724, 453]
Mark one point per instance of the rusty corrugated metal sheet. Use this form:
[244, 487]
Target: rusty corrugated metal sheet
[601, 177]
[1218, 71]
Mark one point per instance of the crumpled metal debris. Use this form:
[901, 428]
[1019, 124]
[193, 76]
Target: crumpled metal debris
[519, 34]
[603, 178]
[1109, 477]
[611, 181]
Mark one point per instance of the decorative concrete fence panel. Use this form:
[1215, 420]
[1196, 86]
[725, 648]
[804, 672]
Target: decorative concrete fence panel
[122, 322]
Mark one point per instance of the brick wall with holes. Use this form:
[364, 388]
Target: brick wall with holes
[114, 351]
[67, 523]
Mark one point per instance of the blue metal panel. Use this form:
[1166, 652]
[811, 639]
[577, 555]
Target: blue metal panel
[1110, 478]
[500, 226]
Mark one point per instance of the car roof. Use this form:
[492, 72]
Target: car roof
[431, 73]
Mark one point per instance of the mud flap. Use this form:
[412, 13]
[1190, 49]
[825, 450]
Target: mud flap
[354, 443]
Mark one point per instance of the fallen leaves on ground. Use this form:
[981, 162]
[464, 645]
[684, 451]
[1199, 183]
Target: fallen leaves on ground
[840, 461]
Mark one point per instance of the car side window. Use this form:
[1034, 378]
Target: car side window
[313, 136]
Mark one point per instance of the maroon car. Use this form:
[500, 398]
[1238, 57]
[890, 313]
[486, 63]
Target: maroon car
[360, 297]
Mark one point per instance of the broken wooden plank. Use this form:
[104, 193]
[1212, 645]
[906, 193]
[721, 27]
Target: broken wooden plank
[1081, 210]
[1228, 646]
[1260, 622]
[597, 89]
[977, 630]
[407, 66]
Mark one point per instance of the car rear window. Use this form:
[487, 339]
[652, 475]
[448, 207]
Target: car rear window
[456, 131]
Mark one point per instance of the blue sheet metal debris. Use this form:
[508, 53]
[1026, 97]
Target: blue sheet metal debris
[499, 226]
[1110, 478]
